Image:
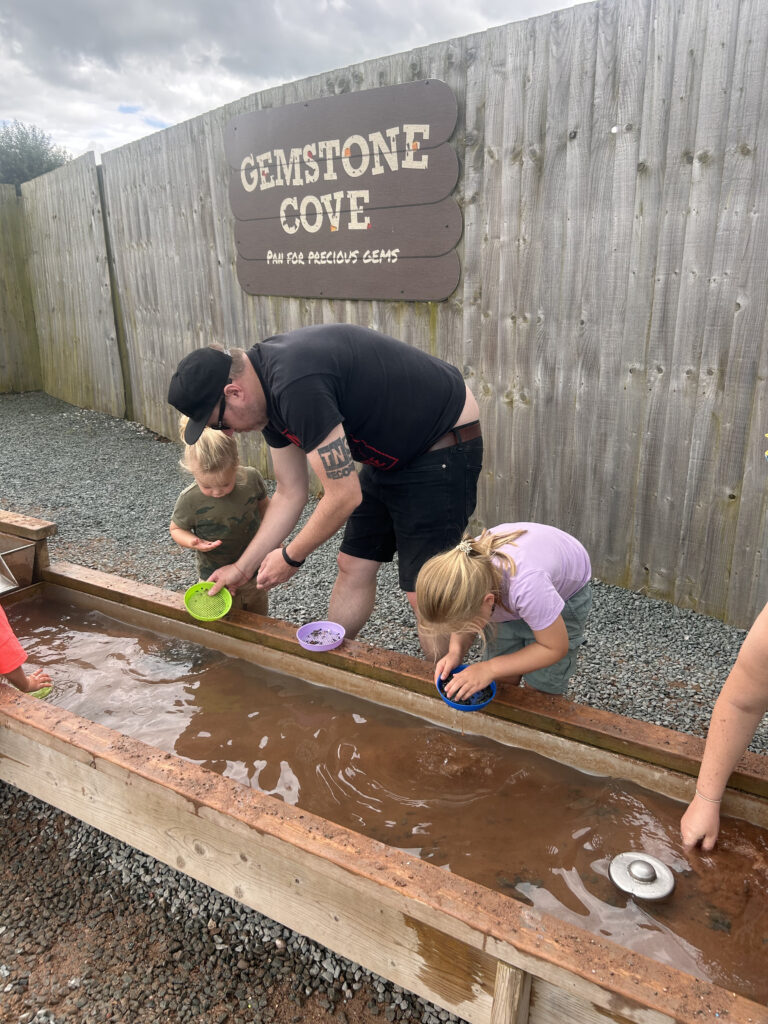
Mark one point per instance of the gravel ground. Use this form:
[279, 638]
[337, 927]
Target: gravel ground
[186, 953]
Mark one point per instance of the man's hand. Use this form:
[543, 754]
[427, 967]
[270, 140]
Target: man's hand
[273, 570]
[229, 576]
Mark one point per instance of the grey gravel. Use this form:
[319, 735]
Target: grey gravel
[110, 485]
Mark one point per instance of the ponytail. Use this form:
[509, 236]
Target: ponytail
[451, 586]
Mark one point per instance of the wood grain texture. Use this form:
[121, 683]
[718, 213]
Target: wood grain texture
[71, 290]
[19, 352]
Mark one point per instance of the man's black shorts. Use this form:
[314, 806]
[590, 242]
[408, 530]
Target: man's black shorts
[418, 511]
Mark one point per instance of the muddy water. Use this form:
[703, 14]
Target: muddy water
[540, 832]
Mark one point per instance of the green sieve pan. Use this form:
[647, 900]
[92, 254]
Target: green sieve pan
[205, 608]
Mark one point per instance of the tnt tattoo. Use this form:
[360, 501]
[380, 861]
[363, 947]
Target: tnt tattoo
[336, 459]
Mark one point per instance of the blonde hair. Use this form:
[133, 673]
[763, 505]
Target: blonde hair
[450, 587]
[214, 452]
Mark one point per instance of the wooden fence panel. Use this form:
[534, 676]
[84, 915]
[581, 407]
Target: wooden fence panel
[19, 356]
[649, 215]
[71, 289]
[683, 242]
[569, 315]
[696, 291]
[725, 447]
[702, 371]
[604, 409]
[499, 96]
[512, 438]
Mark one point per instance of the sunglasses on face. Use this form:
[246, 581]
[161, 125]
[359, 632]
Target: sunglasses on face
[222, 407]
[220, 425]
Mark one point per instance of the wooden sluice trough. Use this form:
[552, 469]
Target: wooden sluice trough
[475, 952]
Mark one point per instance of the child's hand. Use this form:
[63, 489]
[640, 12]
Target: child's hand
[38, 678]
[445, 666]
[198, 544]
[700, 824]
[469, 681]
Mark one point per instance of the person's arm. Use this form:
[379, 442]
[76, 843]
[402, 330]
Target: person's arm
[736, 715]
[28, 683]
[458, 646]
[335, 468]
[262, 505]
[281, 515]
[550, 645]
[187, 539]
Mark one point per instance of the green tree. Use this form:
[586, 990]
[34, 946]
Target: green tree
[26, 152]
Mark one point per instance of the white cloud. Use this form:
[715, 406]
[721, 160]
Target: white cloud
[96, 77]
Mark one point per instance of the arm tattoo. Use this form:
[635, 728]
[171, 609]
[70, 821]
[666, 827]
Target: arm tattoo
[337, 459]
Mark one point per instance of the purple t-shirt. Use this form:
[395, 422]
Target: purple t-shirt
[551, 567]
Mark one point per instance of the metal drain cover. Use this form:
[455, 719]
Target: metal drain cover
[641, 875]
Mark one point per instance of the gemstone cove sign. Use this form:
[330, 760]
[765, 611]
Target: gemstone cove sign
[348, 196]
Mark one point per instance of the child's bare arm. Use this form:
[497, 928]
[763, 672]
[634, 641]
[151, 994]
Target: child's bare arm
[736, 715]
[458, 646]
[551, 644]
[28, 683]
[187, 539]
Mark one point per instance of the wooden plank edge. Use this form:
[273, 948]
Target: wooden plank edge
[597, 970]
[26, 526]
[511, 995]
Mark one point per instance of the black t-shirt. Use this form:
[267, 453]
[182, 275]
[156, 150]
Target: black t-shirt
[393, 400]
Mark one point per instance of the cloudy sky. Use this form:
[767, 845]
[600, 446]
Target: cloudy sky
[96, 74]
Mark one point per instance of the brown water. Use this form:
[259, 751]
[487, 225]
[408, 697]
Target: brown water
[514, 821]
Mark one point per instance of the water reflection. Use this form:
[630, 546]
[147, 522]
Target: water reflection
[540, 832]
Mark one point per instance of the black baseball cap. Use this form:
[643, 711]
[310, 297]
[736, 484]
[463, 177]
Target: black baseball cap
[197, 386]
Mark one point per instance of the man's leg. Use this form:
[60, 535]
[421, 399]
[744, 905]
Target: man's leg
[354, 593]
[430, 510]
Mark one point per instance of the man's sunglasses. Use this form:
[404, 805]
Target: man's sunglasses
[222, 408]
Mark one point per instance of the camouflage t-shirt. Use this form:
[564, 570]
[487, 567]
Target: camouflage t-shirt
[233, 519]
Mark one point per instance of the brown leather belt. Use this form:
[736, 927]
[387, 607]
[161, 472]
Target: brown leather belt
[457, 435]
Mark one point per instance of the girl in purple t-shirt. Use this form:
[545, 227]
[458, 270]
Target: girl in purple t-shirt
[528, 587]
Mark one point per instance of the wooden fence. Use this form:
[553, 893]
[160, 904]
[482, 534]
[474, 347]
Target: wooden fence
[19, 356]
[611, 311]
[71, 291]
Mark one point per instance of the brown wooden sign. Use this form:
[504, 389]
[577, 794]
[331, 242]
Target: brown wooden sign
[348, 196]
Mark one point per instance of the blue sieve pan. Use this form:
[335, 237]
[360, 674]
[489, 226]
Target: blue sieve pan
[477, 701]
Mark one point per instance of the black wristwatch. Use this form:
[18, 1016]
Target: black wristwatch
[291, 561]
